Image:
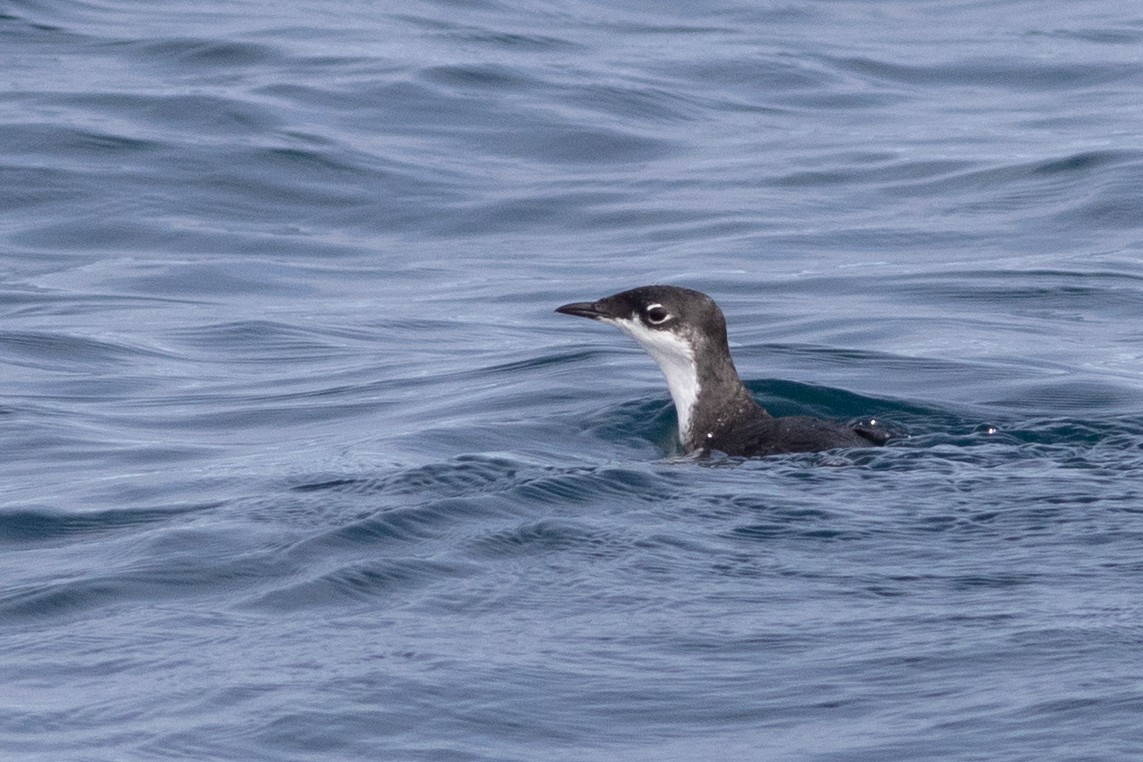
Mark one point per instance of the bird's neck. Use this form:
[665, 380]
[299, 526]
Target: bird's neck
[709, 396]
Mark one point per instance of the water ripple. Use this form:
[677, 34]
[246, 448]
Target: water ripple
[298, 463]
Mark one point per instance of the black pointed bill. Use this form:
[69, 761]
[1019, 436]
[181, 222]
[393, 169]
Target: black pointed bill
[593, 310]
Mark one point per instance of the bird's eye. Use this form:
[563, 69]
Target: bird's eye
[656, 314]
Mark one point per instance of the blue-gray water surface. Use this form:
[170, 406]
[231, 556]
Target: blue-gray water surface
[299, 464]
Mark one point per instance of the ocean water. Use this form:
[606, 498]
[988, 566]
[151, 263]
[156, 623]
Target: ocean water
[299, 464]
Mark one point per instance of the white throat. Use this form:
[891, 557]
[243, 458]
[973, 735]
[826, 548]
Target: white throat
[676, 359]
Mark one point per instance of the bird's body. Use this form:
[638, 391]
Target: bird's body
[685, 332]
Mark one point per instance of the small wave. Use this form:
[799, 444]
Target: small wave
[31, 525]
[391, 580]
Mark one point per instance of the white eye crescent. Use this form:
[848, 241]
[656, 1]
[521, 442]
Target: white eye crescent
[656, 314]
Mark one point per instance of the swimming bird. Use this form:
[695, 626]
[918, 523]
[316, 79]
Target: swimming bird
[685, 332]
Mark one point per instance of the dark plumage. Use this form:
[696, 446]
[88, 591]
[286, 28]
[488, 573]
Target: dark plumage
[685, 331]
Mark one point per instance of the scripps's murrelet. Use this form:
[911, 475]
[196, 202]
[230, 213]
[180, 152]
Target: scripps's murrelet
[685, 332]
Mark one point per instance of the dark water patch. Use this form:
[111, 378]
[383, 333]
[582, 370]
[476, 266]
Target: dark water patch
[540, 537]
[67, 353]
[319, 164]
[1000, 73]
[456, 30]
[793, 398]
[262, 342]
[81, 443]
[1035, 282]
[235, 412]
[24, 301]
[562, 143]
[765, 77]
[436, 498]
[403, 525]
[876, 171]
[331, 178]
[590, 485]
[1113, 35]
[782, 530]
[59, 599]
[28, 188]
[21, 526]
[1010, 185]
[183, 573]
[299, 95]
[482, 76]
[1115, 201]
[348, 484]
[426, 107]
[879, 370]
[82, 595]
[1046, 187]
[524, 42]
[1072, 396]
[23, 29]
[648, 105]
[197, 280]
[994, 581]
[1117, 212]
[390, 581]
[538, 362]
[1085, 162]
[107, 235]
[256, 180]
[1043, 294]
[464, 114]
[561, 208]
[846, 102]
[31, 140]
[194, 54]
[634, 423]
[461, 476]
[170, 119]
